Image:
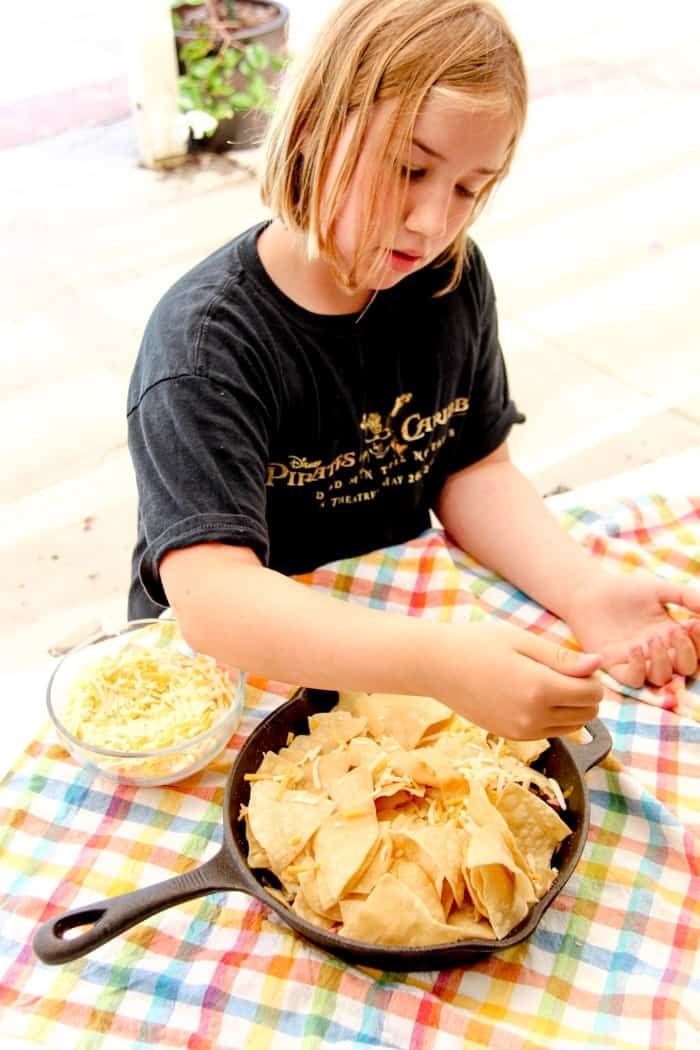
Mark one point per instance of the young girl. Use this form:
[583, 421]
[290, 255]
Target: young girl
[314, 388]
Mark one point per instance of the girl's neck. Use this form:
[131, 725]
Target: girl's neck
[307, 282]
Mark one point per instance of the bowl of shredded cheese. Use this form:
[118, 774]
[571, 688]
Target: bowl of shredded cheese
[141, 707]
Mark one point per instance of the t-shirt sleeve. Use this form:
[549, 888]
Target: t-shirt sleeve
[199, 444]
[492, 412]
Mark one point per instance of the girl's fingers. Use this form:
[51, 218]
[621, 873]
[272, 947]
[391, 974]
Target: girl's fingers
[678, 650]
[632, 671]
[573, 717]
[693, 631]
[660, 666]
[685, 657]
[680, 594]
[564, 730]
[560, 658]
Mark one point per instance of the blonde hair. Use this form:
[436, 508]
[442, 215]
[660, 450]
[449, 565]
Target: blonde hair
[370, 51]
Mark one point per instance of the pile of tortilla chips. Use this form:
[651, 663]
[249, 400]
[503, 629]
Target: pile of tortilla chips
[396, 822]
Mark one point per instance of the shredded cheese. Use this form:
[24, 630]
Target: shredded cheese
[494, 767]
[145, 700]
[298, 869]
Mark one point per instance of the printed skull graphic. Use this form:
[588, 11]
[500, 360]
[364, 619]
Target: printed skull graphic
[380, 437]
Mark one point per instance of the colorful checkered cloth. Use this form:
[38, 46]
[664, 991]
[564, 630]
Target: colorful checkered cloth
[613, 963]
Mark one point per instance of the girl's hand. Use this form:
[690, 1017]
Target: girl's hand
[516, 684]
[626, 620]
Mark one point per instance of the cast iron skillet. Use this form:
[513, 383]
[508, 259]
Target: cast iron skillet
[229, 870]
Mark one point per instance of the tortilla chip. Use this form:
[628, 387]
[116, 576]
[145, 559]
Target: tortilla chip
[302, 909]
[527, 750]
[537, 830]
[299, 746]
[406, 845]
[391, 780]
[470, 924]
[391, 816]
[363, 751]
[452, 726]
[404, 718]
[499, 888]
[413, 876]
[303, 861]
[334, 728]
[273, 765]
[396, 800]
[283, 823]
[280, 895]
[482, 810]
[452, 784]
[313, 889]
[460, 744]
[257, 857]
[321, 772]
[347, 835]
[484, 813]
[388, 775]
[439, 849]
[392, 914]
[414, 766]
[377, 865]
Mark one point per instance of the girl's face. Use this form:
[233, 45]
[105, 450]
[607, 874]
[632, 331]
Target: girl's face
[455, 153]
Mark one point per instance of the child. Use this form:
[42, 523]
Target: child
[315, 387]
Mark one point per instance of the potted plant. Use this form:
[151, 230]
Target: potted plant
[230, 54]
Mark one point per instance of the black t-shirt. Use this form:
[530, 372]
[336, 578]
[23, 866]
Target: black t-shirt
[308, 438]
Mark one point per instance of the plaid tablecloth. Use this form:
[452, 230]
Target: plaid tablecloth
[614, 964]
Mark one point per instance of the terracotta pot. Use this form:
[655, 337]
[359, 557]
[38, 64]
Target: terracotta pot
[245, 129]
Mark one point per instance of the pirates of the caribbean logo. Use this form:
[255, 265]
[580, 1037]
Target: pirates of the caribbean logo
[385, 441]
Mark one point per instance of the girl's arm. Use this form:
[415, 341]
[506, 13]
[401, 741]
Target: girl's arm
[492, 511]
[248, 616]
[495, 514]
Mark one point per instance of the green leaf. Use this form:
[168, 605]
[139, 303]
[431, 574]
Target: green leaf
[220, 89]
[222, 111]
[190, 97]
[215, 78]
[203, 68]
[258, 89]
[176, 21]
[193, 50]
[258, 56]
[230, 57]
[242, 101]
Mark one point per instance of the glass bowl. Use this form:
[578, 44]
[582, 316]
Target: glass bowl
[161, 766]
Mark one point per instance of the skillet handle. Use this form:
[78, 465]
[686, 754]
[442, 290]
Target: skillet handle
[590, 754]
[107, 918]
